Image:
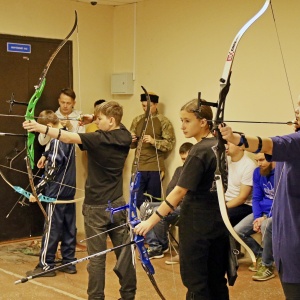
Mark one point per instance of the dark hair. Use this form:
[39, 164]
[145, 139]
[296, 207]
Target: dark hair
[48, 116]
[98, 102]
[69, 92]
[185, 147]
[204, 112]
[110, 109]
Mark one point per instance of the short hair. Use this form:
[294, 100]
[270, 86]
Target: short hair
[48, 116]
[110, 109]
[185, 147]
[204, 112]
[69, 92]
[98, 102]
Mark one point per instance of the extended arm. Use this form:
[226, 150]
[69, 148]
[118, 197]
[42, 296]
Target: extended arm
[253, 141]
[62, 135]
[164, 209]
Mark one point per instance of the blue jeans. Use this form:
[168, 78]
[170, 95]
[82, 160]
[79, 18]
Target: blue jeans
[267, 255]
[97, 220]
[245, 229]
[157, 237]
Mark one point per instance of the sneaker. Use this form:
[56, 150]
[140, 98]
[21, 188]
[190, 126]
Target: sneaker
[254, 268]
[166, 250]
[173, 260]
[264, 273]
[69, 270]
[39, 270]
[153, 253]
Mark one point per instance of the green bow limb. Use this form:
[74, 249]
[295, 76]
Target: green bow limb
[39, 88]
[30, 116]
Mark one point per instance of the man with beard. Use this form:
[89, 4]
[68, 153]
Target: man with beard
[261, 219]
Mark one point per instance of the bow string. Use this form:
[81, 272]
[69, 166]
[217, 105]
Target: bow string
[39, 88]
[133, 216]
[221, 173]
[219, 149]
[29, 115]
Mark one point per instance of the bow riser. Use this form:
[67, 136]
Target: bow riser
[132, 208]
[219, 150]
[29, 115]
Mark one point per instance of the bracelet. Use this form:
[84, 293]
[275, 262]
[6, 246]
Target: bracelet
[169, 204]
[59, 134]
[241, 143]
[46, 132]
[243, 140]
[246, 142]
[259, 145]
[162, 217]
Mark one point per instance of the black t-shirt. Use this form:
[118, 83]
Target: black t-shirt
[174, 180]
[198, 171]
[107, 152]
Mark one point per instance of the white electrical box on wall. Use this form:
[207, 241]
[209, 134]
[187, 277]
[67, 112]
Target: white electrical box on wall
[122, 83]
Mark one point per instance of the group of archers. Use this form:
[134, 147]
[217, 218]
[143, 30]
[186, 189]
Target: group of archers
[261, 197]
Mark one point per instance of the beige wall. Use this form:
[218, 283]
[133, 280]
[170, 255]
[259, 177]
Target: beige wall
[92, 48]
[180, 50]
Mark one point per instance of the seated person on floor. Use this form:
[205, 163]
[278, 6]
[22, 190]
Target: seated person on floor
[238, 194]
[157, 238]
[261, 219]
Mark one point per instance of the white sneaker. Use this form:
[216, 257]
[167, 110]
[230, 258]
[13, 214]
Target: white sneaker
[173, 260]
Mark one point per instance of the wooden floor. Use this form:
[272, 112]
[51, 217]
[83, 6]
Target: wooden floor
[14, 264]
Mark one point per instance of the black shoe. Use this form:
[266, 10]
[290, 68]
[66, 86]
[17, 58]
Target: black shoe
[39, 270]
[154, 253]
[68, 270]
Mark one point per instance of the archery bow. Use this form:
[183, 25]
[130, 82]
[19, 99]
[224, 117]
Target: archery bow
[42, 198]
[219, 149]
[29, 115]
[133, 217]
[25, 193]
[132, 208]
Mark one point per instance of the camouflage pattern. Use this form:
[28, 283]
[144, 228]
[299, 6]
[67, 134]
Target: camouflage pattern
[160, 128]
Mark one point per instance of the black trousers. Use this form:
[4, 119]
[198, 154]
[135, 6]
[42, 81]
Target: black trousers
[237, 214]
[291, 290]
[62, 228]
[150, 184]
[203, 244]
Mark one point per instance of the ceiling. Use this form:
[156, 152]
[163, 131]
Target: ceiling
[108, 2]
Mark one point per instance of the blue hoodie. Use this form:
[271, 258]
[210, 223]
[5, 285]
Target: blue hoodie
[263, 193]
